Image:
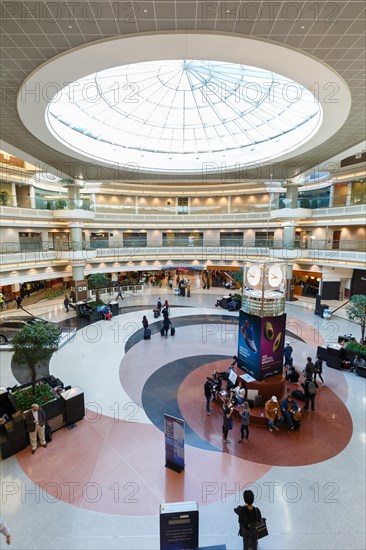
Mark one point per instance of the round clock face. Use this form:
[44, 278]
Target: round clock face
[275, 276]
[253, 276]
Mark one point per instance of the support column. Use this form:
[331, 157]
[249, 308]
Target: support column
[13, 199]
[331, 196]
[289, 286]
[289, 235]
[78, 272]
[229, 204]
[292, 194]
[76, 237]
[349, 191]
[32, 196]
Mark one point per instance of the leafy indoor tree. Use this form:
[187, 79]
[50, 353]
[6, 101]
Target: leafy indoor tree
[33, 344]
[97, 281]
[356, 311]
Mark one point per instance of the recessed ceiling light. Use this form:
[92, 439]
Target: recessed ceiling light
[145, 11]
[303, 27]
[70, 26]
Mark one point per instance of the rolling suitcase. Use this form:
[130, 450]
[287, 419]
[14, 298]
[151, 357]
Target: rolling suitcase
[47, 433]
[147, 334]
[172, 331]
[298, 394]
[156, 312]
[162, 331]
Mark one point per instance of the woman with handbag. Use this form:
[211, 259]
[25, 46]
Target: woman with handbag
[249, 519]
[227, 421]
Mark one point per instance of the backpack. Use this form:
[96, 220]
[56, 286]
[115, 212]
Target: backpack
[312, 388]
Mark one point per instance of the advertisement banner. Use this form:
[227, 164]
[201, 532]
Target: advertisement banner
[174, 442]
[261, 343]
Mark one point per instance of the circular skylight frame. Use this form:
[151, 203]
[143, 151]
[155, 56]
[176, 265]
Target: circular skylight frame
[52, 78]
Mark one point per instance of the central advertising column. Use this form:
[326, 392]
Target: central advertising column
[262, 319]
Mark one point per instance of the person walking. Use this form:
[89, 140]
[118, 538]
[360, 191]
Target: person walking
[310, 388]
[207, 389]
[145, 322]
[287, 353]
[248, 514]
[170, 283]
[18, 301]
[119, 295]
[245, 420]
[166, 324]
[309, 368]
[66, 303]
[227, 421]
[35, 421]
[4, 530]
[159, 304]
[2, 300]
[318, 369]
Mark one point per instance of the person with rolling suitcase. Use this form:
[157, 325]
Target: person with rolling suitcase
[166, 324]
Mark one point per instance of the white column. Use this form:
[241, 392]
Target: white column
[331, 196]
[136, 204]
[289, 235]
[32, 196]
[292, 193]
[288, 285]
[76, 237]
[13, 198]
[78, 272]
[229, 204]
[349, 191]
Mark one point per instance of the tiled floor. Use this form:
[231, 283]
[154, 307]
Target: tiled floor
[100, 484]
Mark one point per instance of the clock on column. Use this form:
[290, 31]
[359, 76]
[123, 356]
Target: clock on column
[253, 276]
[275, 276]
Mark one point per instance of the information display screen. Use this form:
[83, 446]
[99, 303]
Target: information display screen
[174, 442]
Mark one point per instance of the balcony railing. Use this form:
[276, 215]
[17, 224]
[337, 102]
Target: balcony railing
[237, 247]
[60, 203]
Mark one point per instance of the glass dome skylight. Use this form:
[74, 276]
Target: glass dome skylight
[177, 115]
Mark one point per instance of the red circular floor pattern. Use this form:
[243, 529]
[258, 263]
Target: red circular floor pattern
[322, 435]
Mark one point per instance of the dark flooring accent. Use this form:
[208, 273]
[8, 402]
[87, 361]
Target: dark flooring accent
[160, 394]
[79, 323]
[189, 320]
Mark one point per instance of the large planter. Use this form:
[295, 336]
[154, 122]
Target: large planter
[50, 402]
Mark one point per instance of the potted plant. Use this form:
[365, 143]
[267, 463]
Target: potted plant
[356, 311]
[33, 345]
[96, 281]
[23, 398]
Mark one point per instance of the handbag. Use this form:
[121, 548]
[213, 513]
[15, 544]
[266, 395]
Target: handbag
[230, 423]
[259, 527]
[297, 416]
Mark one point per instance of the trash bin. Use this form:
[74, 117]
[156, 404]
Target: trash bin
[114, 308]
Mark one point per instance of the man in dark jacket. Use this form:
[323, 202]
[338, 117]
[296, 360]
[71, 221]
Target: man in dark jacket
[35, 421]
[287, 353]
[207, 388]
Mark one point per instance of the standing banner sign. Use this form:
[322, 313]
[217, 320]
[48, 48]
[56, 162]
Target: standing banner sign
[174, 442]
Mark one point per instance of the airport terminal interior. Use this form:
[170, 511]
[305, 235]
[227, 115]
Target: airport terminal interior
[211, 154]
